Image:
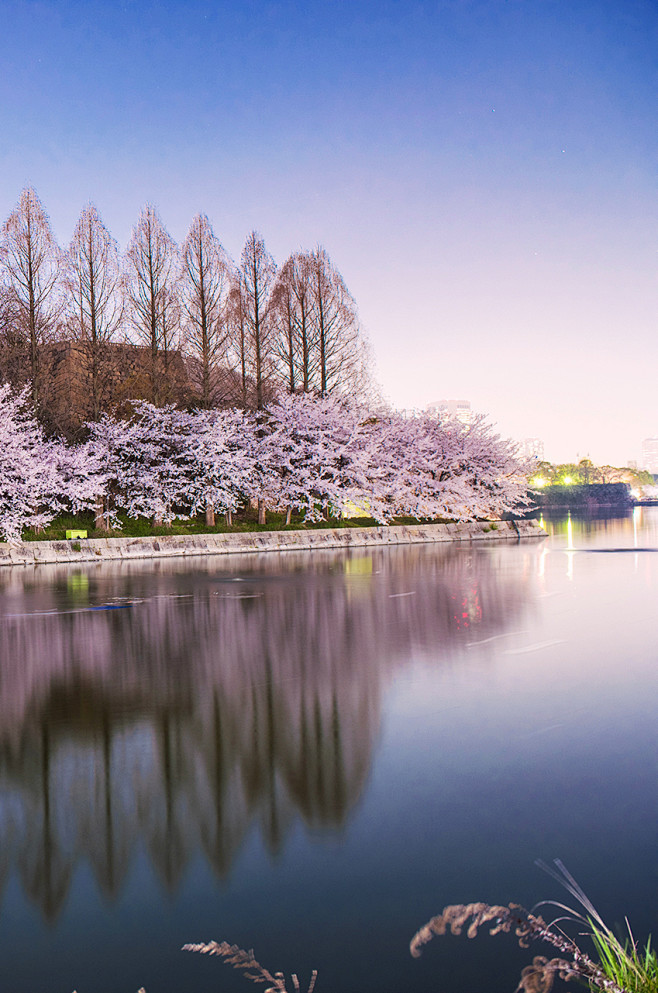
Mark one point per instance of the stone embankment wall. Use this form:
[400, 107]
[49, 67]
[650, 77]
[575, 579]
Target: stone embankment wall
[111, 549]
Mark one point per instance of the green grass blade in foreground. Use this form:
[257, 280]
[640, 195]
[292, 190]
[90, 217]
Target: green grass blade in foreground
[626, 965]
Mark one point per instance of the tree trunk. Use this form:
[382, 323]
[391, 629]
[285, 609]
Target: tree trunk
[228, 516]
[210, 514]
[288, 515]
[99, 514]
[261, 512]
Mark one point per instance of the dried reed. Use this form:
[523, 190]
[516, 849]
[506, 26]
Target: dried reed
[251, 968]
[536, 978]
[622, 967]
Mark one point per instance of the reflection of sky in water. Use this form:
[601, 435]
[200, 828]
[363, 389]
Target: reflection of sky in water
[543, 741]
[496, 705]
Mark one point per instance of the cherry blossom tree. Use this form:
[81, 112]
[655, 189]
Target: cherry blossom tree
[483, 464]
[29, 474]
[149, 460]
[423, 467]
[223, 465]
[41, 478]
[387, 447]
[107, 439]
[82, 480]
[311, 459]
[311, 454]
[157, 466]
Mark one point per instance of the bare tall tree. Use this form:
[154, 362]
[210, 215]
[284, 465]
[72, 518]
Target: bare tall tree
[152, 271]
[13, 355]
[257, 276]
[285, 322]
[293, 309]
[319, 344]
[32, 265]
[171, 339]
[205, 290]
[95, 287]
[342, 354]
[258, 272]
[238, 337]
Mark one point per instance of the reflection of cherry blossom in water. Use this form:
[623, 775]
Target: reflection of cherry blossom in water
[209, 705]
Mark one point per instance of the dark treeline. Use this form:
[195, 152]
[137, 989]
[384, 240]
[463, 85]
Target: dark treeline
[90, 327]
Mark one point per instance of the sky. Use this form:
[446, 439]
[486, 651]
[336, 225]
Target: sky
[482, 172]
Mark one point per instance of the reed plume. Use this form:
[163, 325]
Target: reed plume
[537, 978]
[250, 966]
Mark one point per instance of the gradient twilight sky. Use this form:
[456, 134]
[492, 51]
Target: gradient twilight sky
[483, 173]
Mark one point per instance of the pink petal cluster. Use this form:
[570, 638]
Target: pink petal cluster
[319, 456]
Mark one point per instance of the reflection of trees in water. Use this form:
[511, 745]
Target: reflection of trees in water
[209, 704]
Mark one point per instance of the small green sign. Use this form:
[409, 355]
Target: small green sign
[76, 534]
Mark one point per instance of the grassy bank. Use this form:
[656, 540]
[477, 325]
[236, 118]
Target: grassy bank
[141, 527]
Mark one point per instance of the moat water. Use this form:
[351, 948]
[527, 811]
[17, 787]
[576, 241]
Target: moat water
[311, 754]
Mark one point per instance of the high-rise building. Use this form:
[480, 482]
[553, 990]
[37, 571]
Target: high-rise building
[533, 448]
[454, 410]
[650, 454]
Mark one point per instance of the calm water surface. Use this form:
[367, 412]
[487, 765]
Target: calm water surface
[311, 755]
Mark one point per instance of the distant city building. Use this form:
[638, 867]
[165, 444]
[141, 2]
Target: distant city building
[455, 410]
[650, 454]
[533, 448]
